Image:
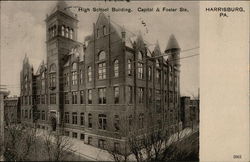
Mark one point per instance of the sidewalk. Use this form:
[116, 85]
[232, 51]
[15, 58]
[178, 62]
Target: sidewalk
[96, 154]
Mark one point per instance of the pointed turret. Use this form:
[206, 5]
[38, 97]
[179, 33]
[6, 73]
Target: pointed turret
[173, 51]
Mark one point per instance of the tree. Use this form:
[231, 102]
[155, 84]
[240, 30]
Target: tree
[18, 142]
[57, 146]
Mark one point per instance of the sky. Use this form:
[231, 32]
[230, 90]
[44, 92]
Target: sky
[23, 32]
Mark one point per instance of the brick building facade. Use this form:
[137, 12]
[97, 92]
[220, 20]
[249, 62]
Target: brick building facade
[12, 110]
[94, 90]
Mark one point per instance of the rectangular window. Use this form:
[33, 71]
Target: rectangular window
[26, 114]
[158, 76]
[130, 95]
[66, 98]
[116, 147]
[90, 140]
[82, 119]
[166, 78]
[117, 123]
[102, 70]
[81, 77]
[66, 133]
[90, 96]
[74, 97]
[102, 95]
[42, 99]
[141, 94]
[81, 97]
[82, 136]
[149, 73]
[74, 134]
[101, 143]
[140, 70]
[43, 115]
[166, 96]
[74, 78]
[102, 121]
[158, 100]
[74, 118]
[52, 80]
[53, 98]
[66, 117]
[38, 99]
[90, 120]
[116, 95]
[38, 114]
[150, 95]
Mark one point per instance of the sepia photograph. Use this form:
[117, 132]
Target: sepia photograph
[100, 81]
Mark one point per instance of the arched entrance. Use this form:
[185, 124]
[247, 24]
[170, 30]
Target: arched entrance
[53, 123]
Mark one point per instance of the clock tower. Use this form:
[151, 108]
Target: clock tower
[61, 36]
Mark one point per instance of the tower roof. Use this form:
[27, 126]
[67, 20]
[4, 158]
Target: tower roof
[172, 43]
[62, 6]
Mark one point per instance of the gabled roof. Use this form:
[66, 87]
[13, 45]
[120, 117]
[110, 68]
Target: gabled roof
[172, 43]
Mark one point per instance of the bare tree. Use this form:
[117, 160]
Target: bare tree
[57, 146]
[18, 142]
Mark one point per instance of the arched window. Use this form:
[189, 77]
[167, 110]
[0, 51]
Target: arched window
[63, 32]
[129, 67]
[52, 68]
[74, 73]
[116, 68]
[89, 73]
[101, 56]
[157, 63]
[140, 55]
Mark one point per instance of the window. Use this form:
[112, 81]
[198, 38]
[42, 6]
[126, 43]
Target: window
[30, 112]
[52, 76]
[71, 33]
[38, 114]
[166, 78]
[74, 74]
[42, 99]
[43, 115]
[101, 56]
[53, 98]
[117, 123]
[149, 73]
[74, 134]
[74, 97]
[74, 118]
[141, 120]
[102, 70]
[90, 140]
[89, 74]
[90, 96]
[66, 118]
[158, 100]
[116, 68]
[130, 95]
[82, 136]
[102, 95]
[43, 83]
[67, 32]
[66, 98]
[82, 119]
[90, 120]
[63, 32]
[140, 94]
[116, 147]
[157, 63]
[129, 67]
[67, 79]
[101, 143]
[26, 114]
[166, 96]
[158, 76]
[81, 77]
[30, 100]
[38, 99]
[66, 133]
[140, 70]
[116, 94]
[104, 30]
[171, 97]
[81, 97]
[102, 121]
